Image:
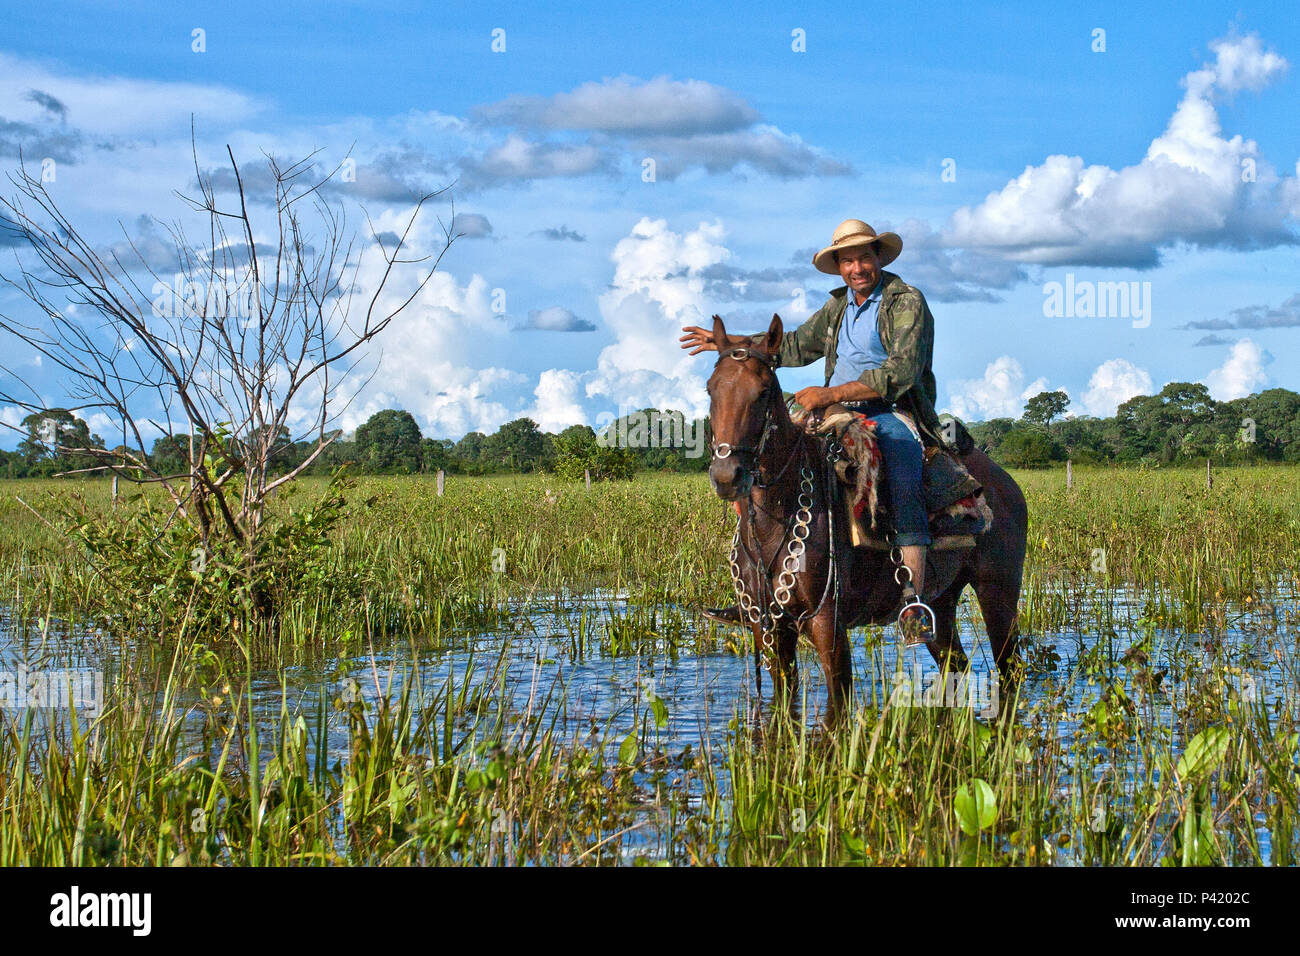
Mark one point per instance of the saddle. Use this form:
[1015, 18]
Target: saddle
[954, 499]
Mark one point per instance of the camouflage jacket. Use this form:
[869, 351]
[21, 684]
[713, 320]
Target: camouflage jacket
[906, 331]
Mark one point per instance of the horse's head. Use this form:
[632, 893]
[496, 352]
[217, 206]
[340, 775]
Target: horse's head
[743, 391]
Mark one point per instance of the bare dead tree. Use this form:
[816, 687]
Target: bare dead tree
[259, 332]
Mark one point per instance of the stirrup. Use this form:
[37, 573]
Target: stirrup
[916, 620]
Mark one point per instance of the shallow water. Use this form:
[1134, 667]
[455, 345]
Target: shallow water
[593, 666]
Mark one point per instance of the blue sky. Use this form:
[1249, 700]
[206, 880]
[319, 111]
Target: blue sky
[1123, 165]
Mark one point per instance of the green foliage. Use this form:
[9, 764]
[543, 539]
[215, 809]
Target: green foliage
[438, 454]
[159, 575]
[51, 444]
[1043, 407]
[975, 806]
[1157, 425]
[470, 448]
[1091, 770]
[988, 435]
[1083, 438]
[578, 452]
[1182, 423]
[1203, 755]
[1030, 448]
[660, 440]
[516, 445]
[1195, 840]
[389, 442]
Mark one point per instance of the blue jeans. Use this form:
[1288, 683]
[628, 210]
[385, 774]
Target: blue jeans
[904, 458]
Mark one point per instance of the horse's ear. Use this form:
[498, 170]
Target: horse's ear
[775, 332]
[719, 333]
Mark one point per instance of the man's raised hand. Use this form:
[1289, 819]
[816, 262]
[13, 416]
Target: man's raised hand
[697, 339]
[706, 340]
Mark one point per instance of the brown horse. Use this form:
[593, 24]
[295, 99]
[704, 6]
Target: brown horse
[795, 570]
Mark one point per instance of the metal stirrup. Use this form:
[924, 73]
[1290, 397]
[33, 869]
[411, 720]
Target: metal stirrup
[914, 633]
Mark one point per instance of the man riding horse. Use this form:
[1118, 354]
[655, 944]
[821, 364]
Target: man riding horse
[876, 334]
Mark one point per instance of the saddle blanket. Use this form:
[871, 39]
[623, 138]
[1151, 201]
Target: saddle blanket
[954, 499]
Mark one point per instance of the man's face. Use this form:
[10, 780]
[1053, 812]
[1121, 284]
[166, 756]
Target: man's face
[860, 268]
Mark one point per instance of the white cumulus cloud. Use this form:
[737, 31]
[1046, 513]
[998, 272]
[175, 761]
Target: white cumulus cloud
[1192, 186]
[1113, 382]
[1242, 63]
[558, 403]
[1001, 393]
[657, 288]
[1241, 374]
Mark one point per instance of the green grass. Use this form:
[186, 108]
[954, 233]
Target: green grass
[1147, 602]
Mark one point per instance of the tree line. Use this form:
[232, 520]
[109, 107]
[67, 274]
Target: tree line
[388, 443]
[1180, 424]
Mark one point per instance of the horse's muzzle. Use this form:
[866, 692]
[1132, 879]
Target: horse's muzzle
[730, 479]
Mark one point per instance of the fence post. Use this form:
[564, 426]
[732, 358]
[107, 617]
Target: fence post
[1069, 473]
[586, 476]
[115, 491]
[442, 481]
[1209, 478]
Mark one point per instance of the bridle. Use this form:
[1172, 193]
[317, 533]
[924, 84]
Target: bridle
[768, 397]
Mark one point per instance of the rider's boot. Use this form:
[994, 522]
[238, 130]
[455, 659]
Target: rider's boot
[914, 558]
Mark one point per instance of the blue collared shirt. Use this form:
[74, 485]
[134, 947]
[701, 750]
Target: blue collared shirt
[859, 345]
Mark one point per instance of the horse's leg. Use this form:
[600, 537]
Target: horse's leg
[946, 647]
[999, 602]
[999, 565]
[831, 638]
[779, 658]
[787, 646]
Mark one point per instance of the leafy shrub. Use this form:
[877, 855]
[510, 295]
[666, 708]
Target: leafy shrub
[152, 573]
[1029, 448]
[578, 454]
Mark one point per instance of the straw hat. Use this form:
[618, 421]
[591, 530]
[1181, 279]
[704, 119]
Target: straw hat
[852, 233]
